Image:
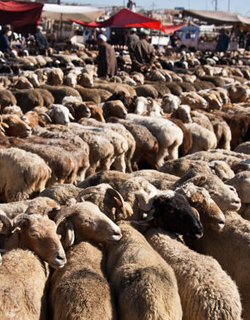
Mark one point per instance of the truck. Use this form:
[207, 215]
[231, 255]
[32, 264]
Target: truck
[203, 38]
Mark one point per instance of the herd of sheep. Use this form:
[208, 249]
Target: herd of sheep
[127, 198]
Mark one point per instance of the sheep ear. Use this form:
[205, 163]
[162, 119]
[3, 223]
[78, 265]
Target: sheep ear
[69, 235]
[71, 117]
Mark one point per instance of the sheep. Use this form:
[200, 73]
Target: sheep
[101, 151]
[231, 157]
[122, 131]
[144, 284]
[59, 92]
[202, 138]
[224, 196]
[63, 169]
[113, 177]
[28, 98]
[146, 144]
[96, 95]
[232, 255]
[35, 232]
[77, 290]
[55, 76]
[23, 286]
[80, 155]
[146, 90]
[24, 277]
[206, 290]
[169, 135]
[147, 106]
[194, 100]
[170, 103]
[241, 183]
[77, 108]
[175, 88]
[180, 166]
[39, 203]
[62, 194]
[23, 174]
[7, 98]
[83, 276]
[114, 108]
[160, 180]
[59, 114]
[15, 126]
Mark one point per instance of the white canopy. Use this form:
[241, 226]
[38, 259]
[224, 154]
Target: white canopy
[63, 12]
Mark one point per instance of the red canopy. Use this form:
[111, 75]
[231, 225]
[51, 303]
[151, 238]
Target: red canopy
[124, 18]
[172, 28]
[20, 14]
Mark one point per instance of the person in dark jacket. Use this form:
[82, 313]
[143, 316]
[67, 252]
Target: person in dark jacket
[41, 41]
[223, 41]
[4, 40]
[142, 53]
[106, 60]
[132, 36]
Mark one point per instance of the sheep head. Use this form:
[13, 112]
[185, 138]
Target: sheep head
[38, 233]
[172, 212]
[88, 223]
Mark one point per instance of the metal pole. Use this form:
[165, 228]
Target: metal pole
[228, 5]
[216, 5]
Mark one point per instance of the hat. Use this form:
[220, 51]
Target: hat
[144, 31]
[103, 29]
[102, 36]
[134, 29]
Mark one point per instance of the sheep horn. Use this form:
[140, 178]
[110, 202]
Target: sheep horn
[84, 192]
[63, 214]
[47, 210]
[7, 224]
[19, 220]
[45, 115]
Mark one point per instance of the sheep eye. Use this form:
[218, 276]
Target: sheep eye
[35, 235]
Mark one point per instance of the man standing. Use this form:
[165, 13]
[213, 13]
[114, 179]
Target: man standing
[132, 36]
[41, 41]
[106, 60]
[223, 41]
[4, 40]
[142, 53]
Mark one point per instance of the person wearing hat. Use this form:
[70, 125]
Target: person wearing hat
[4, 39]
[132, 36]
[142, 53]
[41, 41]
[106, 59]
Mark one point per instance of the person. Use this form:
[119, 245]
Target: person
[174, 40]
[41, 41]
[106, 59]
[131, 5]
[142, 53]
[132, 36]
[223, 41]
[247, 46]
[91, 40]
[4, 39]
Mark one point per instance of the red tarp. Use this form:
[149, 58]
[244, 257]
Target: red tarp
[20, 15]
[172, 28]
[124, 18]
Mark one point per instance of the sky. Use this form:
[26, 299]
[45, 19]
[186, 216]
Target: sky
[236, 6]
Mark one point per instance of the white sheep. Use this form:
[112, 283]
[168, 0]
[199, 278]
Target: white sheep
[206, 290]
[169, 135]
[144, 284]
[230, 247]
[22, 174]
[77, 289]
